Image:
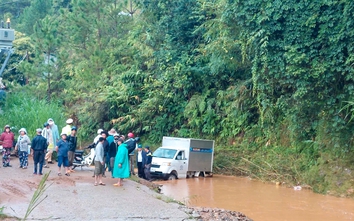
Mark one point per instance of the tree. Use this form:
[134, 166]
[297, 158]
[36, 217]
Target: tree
[38, 10]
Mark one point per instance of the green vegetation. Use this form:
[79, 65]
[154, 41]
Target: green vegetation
[24, 110]
[37, 197]
[271, 81]
[2, 215]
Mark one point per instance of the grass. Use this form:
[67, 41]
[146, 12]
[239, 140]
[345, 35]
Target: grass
[3, 215]
[167, 199]
[134, 178]
[21, 110]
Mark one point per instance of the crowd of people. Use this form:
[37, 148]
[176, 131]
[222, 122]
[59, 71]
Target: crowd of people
[117, 155]
[113, 152]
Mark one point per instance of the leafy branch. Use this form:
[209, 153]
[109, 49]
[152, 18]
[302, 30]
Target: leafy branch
[37, 196]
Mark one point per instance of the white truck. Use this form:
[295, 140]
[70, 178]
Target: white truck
[183, 158]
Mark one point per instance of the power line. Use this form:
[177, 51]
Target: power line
[17, 64]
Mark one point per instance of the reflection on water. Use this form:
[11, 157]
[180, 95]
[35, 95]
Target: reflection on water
[259, 201]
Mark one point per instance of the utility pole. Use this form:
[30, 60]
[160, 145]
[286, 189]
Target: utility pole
[7, 36]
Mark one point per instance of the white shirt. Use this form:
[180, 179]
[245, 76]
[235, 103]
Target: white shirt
[140, 156]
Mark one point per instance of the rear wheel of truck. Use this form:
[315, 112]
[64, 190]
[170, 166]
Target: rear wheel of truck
[172, 176]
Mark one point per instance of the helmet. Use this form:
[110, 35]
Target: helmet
[99, 131]
[137, 139]
[130, 135]
[69, 121]
[45, 124]
[74, 128]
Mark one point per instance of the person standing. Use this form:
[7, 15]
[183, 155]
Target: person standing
[104, 134]
[112, 152]
[47, 134]
[55, 131]
[111, 134]
[99, 162]
[62, 149]
[22, 146]
[95, 140]
[72, 142]
[147, 158]
[7, 140]
[131, 145]
[121, 163]
[139, 160]
[67, 128]
[39, 148]
[110, 139]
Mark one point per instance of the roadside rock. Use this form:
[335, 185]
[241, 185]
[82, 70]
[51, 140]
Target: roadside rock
[215, 214]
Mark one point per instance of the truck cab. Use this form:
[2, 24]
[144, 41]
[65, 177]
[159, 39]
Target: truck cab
[169, 163]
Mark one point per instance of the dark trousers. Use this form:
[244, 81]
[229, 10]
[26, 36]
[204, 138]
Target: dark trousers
[147, 171]
[111, 164]
[106, 165]
[141, 170]
[38, 157]
[131, 164]
[71, 155]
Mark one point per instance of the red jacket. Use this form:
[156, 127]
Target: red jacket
[7, 139]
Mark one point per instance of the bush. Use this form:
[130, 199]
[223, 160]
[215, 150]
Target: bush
[23, 110]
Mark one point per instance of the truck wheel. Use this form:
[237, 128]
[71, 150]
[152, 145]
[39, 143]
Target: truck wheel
[172, 176]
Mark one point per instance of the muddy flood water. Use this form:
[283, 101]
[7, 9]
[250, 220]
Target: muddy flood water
[257, 200]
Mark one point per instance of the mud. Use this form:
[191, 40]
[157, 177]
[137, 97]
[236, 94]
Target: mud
[76, 198]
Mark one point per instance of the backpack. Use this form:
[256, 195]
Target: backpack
[131, 143]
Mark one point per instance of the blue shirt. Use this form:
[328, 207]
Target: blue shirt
[110, 139]
[63, 148]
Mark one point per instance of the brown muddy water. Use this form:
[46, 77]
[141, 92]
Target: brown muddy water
[257, 200]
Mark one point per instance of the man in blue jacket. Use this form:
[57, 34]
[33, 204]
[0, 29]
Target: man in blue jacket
[147, 158]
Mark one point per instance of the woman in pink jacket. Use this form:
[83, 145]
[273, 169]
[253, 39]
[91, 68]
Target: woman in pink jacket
[6, 140]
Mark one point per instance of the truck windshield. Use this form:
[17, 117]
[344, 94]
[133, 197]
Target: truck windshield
[164, 153]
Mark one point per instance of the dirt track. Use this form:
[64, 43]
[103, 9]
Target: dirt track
[76, 198]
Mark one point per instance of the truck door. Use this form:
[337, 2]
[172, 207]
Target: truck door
[181, 166]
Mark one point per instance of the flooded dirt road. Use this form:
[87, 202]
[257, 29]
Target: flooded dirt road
[261, 202]
[75, 197]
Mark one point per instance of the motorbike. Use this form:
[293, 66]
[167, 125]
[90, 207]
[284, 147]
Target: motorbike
[81, 160]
